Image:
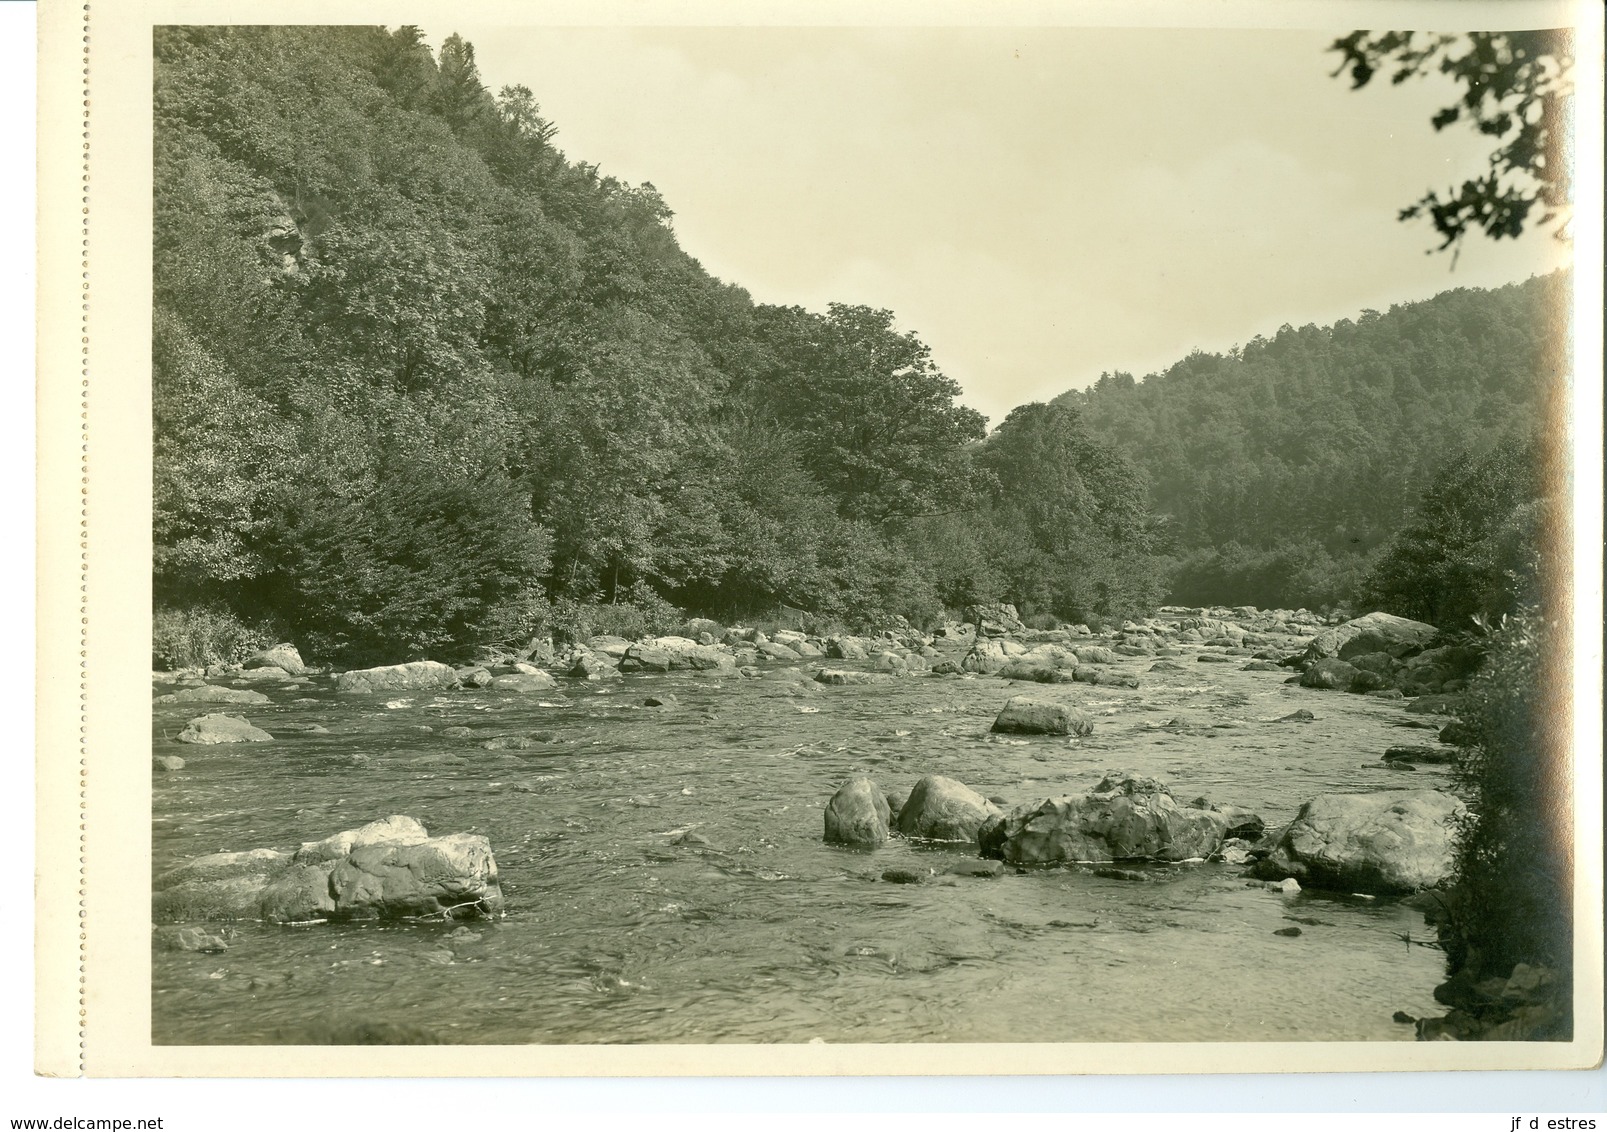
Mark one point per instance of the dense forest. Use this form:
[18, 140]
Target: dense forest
[1283, 468]
[424, 383]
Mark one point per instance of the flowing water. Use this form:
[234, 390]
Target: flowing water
[615, 933]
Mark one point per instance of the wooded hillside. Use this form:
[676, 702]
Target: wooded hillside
[424, 382]
[1286, 464]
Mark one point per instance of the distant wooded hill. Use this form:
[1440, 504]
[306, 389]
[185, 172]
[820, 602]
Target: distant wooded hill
[1306, 452]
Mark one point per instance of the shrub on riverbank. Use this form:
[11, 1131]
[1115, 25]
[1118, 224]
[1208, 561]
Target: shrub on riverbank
[418, 568]
[643, 614]
[204, 634]
[1514, 861]
[1472, 546]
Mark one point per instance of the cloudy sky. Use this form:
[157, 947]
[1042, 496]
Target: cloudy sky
[1038, 205]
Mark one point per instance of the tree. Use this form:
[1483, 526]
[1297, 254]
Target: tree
[1517, 88]
[1472, 549]
[1073, 515]
[876, 413]
[422, 566]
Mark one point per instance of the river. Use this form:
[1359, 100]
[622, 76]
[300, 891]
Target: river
[755, 930]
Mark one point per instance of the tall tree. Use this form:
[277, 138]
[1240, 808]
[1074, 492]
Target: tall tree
[875, 413]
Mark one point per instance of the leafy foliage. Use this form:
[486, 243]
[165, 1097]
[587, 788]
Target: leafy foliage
[202, 635]
[1517, 89]
[1318, 442]
[422, 381]
[1513, 863]
[1073, 516]
[424, 567]
[1300, 575]
[1472, 548]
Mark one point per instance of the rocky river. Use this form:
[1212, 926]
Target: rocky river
[660, 868]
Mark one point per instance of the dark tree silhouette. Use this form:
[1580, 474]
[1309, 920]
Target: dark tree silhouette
[1517, 88]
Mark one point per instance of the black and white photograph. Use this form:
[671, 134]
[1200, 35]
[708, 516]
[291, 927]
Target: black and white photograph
[892, 536]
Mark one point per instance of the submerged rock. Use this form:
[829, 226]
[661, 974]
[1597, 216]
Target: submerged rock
[857, 815]
[942, 809]
[1127, 816]
[846, 676]
[904, 876]
[416, 676]
[213, 694]
[210, 729]
[977, 867]
[1419, 754]
[508, 743]
[524, 682]
[1393, 841]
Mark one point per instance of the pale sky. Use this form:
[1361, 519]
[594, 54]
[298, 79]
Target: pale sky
[1038, 205]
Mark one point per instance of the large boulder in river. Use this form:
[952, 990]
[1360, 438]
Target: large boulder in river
[210, 729]
[589, 665]
[1127, 816]
[857, 814]
[1394, 841]
[661, 654]
[1023, 669]
[213, 694]
[1035, 715]
[474, 676]
[646, 658]
[1329, 673]
[942, 809]
[846, 648]
[995, 619]
[774, 650]
[453, 877]
[1385, 629]
[415, 676]
[986, 657]
[282, 656]
[218, 886]
[608, 645]
[388, 868]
